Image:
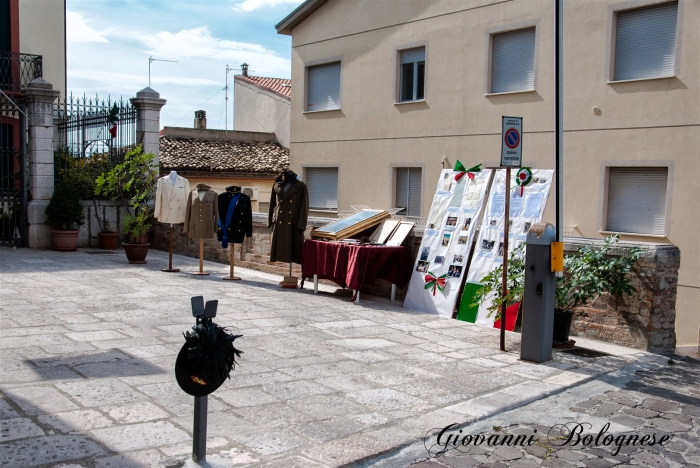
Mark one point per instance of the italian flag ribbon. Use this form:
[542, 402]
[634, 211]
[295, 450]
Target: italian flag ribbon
[435, 282]
[461, 171]
[523, 178]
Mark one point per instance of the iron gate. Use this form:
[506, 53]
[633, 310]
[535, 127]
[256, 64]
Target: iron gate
[13, 175]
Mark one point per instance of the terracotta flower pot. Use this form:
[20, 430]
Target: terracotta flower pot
[108, 240]
[65, 240]
[136, 253]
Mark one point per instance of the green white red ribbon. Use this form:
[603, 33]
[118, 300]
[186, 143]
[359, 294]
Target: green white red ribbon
[435, 282]
[461, 171]
[523, 178]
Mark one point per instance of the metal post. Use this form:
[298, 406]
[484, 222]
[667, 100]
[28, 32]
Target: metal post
[559, 114]
[504, 286]
[538, 300]
[23, 178]
[199, 431]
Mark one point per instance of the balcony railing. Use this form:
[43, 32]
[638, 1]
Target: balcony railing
[17, 70]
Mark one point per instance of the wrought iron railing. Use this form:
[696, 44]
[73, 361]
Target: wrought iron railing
[18, 70]
[89, 129]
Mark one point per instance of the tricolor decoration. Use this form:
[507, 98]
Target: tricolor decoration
[523, 178]
[461, 171]
[112, 119]
[435, 282]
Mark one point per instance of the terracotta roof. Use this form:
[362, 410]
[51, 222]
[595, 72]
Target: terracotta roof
[278, 86]
[189, 154]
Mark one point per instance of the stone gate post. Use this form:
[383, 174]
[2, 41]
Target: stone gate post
[148, 104]
[39, 96]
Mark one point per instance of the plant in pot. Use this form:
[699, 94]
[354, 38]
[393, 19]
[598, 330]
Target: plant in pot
[132, 182]
[588, 274]
[491, 285]
[65, 214]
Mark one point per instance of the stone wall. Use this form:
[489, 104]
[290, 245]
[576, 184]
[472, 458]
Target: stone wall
[644, 320]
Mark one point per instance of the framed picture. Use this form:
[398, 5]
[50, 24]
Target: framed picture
[350, 225]
[384, 231]
[400, 234]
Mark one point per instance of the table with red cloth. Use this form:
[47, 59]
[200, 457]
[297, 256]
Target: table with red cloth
[353, 265]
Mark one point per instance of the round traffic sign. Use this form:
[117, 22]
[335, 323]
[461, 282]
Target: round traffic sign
[512, 138]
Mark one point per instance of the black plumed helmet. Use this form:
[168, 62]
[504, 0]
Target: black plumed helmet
[206, 359]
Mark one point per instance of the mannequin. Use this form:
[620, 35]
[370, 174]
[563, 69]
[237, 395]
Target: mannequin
[288, 215]
[170, 206]
[235, 221]
[200, 219]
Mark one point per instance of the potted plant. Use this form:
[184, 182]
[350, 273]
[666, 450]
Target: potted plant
[65, 214]
[588, 273]
[133, 183]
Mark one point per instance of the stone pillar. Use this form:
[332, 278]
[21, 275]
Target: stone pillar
[148, 104]
[39, 96]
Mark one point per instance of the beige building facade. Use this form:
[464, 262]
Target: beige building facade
[631, 128]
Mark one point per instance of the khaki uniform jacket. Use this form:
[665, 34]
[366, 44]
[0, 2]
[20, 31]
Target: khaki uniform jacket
[171, 200]
[201, 215]
[289, 213]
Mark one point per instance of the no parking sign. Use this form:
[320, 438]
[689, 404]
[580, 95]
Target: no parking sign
[512, 142]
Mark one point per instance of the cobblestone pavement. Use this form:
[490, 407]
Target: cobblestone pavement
[662, 402]
[89, 344]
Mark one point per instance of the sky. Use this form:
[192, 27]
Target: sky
[109, 43]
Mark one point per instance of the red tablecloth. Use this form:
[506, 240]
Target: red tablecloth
[352, 266]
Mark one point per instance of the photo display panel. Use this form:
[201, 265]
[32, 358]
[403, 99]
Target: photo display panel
[488, 251]
[447, 242]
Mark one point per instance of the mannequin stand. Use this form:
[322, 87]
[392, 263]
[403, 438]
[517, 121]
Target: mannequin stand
[289, 282]
[201, 271]
[231, 276]
[170, 268]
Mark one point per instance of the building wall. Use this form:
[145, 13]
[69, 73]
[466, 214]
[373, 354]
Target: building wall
[256, 110]
[648, 122]
[42, 32]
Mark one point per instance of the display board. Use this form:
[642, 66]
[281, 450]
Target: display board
[525, 210]
[447, 242]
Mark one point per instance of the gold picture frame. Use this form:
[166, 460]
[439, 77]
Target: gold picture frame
[350, 225]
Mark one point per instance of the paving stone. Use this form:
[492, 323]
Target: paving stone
[643, 413]
[246, 397]
[136, 412]
[27, 453]
[140, 436]
[660, 405]
[147, 458]
[670, 426]
[570, 455]
[40, 400]
[18, 428]
[76, 421]
[649, 459]
[299, 389]
[383, 399]
[270, 443]
[508, 453]
[606, 409]
[101, 392]
[6, 411]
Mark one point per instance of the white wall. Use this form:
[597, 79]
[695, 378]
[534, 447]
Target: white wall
[255, 110]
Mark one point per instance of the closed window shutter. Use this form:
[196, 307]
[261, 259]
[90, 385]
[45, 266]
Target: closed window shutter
[322, 183]
[513, 61]
[637, 200]
[645, 42]
[324, 87]
[413, 55]
[408, 190]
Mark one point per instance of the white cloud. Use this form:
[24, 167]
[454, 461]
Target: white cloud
[199, 43]
[250, 5]
[116, 80]
[78, 30]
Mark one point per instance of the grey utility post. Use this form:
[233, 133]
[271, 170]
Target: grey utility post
[39, 96]
[538, 300]
[148, 104]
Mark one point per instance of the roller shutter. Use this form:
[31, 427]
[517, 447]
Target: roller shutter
[322, 183]
[408, 190]
[324, 87]
[513, 61]
[637, 200]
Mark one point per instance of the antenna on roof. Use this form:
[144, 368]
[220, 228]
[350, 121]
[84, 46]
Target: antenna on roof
[150, 61]
[244, 70]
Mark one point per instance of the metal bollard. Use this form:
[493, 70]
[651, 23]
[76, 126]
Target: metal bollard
[538, 301]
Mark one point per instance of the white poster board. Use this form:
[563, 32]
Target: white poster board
[447, 241]
[524, 212]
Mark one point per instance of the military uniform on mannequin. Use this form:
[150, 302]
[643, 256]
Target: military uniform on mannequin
[171, 198]
[289, 213]
[234, 227]
[202, 213]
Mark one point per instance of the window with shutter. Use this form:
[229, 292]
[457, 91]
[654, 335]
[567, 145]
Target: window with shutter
[513, 61]
[323, 90]
[412, 80]
[322, 183]
[637, 200]
[408, 190]
[645, 42]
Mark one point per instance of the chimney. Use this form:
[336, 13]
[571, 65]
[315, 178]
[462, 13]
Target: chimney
[244, 69]
[200, 119]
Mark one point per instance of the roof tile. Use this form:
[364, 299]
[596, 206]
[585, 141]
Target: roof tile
[276, 85]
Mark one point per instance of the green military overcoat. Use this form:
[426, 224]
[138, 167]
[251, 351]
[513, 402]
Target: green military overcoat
[289, 213]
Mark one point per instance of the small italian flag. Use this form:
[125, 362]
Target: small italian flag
[461, 171]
